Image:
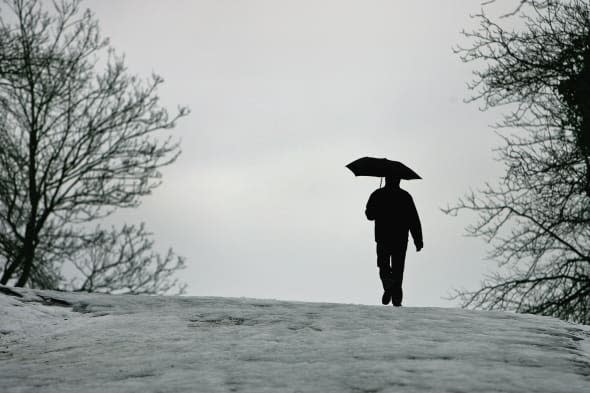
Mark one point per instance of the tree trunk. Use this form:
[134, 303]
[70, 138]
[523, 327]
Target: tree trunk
[28, 253]
[28, 259]
[9, 271]
[12, 265]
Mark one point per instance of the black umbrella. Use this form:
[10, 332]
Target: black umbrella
[381, 167]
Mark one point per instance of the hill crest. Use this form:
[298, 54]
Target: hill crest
[60, 342]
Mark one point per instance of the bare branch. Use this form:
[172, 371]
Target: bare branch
[537, 218]
[79, 135]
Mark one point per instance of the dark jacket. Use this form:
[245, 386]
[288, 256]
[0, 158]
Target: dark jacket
[395, 214]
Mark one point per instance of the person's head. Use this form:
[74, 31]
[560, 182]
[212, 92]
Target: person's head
[391, 181]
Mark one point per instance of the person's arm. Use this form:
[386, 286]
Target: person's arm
[415, 226]
[371, 210]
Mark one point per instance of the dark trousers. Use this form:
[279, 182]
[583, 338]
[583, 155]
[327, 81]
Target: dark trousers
[391, 260]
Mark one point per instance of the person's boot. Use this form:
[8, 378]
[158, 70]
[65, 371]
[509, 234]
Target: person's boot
[396, 297]
[386, 298]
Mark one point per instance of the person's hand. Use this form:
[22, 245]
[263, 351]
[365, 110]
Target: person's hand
[419, 246]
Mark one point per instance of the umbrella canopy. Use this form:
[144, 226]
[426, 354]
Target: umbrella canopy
[381, 167]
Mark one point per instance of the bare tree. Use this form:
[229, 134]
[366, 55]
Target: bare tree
[537, 219]
[77, 136]
[123, 261]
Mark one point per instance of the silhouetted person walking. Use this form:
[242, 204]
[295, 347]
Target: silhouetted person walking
[395, 214]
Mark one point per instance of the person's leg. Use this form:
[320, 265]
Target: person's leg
[398, 258]
[385, 272]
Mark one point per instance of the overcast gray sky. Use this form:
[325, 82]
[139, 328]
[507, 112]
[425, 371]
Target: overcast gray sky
[283, 95]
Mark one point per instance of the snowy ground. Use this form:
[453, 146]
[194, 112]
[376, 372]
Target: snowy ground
[63, 342]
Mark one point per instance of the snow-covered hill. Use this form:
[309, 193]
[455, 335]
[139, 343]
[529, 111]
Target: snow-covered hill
[63, 342]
